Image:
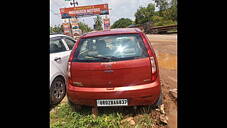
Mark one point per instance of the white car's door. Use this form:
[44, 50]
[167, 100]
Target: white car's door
[59, 54]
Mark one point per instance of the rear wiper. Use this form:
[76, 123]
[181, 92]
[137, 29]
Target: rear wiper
[113, 57]
[100, 57]
[106, 57]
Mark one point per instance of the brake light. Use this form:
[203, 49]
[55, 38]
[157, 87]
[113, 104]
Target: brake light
[153, 65]
[69, 73]
[70, 62]
[150, 51]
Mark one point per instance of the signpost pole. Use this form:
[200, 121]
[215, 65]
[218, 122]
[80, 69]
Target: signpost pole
[74, 5]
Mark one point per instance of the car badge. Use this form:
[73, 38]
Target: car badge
[108, 66]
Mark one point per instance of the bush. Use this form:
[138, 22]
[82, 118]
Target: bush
[122, 23]
[164, 23]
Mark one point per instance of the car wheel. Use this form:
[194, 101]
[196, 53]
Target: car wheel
[57, 90]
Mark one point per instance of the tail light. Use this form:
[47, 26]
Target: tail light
[70, 62]
[150, 51]
[153, 65]
[153, 69]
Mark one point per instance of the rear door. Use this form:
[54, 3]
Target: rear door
[121, 60]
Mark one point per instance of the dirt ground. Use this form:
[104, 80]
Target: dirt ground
[166, 51]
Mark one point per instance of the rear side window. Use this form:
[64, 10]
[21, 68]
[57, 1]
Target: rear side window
[110, 48]
[56, 46]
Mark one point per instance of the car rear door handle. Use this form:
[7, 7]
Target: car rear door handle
[56, 59]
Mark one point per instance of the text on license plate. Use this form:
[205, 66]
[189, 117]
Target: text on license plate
[112, 102]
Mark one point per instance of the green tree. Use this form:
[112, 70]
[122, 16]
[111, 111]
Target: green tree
[144, 14]
[167, 9]
[84, 28]
[166, 15]
[173, 9]
[162, 4]
[122, 23]
[98, 23]
[160, 21]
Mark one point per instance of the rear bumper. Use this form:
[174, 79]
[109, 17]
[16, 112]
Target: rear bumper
[146, 94]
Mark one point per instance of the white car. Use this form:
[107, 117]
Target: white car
[60, 49]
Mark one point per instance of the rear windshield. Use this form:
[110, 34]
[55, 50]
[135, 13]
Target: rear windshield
[110, 48]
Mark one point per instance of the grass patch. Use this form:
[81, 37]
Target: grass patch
[62, 116]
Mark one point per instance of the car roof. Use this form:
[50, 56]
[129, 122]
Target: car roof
[60, 35]
[112, 31]
[56, 35]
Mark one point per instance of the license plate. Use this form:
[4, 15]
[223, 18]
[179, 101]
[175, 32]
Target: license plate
[112, 102]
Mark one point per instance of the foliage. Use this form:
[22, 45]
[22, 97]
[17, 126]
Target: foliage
[162, 4]
[173, 10]
[166, 14]
[56, 29]
[144, 14]
[98, 23]
[122, 23]
[167, 9]
[160, 21]
[84, 28]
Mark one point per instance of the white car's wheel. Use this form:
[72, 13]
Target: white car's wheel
[57, 90]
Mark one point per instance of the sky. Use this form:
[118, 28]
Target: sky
[119, 9]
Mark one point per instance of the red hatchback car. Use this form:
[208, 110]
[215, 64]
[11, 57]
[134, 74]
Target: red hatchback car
[117, 67]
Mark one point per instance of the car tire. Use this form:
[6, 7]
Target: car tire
[57, 90]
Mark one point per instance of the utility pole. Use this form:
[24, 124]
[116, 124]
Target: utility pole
[72, 3]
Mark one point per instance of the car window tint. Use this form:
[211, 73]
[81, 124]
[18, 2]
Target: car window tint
[117, 47]
[56, 46]
[70, 43]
